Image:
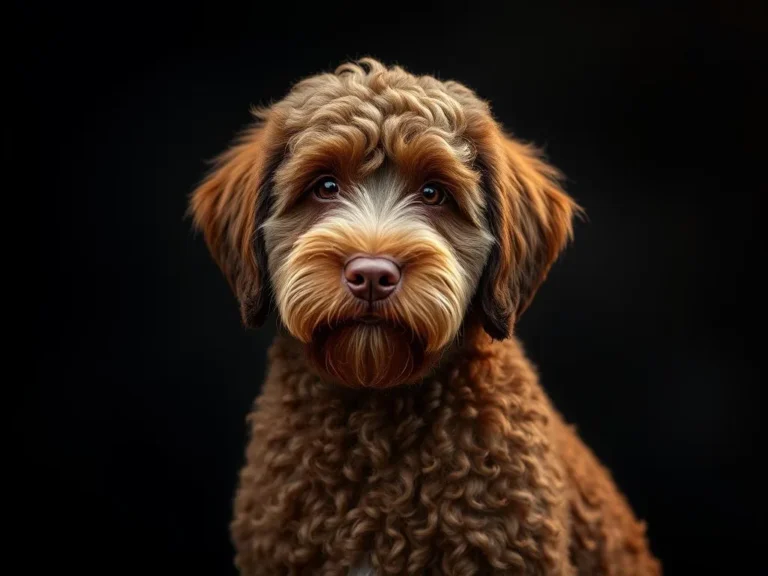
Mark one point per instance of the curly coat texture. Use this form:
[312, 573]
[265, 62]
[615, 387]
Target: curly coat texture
[421, 443]
[470, 472]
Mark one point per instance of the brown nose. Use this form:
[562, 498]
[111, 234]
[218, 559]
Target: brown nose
[371, 278]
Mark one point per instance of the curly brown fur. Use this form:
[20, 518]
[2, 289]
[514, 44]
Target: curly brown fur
[398, 432]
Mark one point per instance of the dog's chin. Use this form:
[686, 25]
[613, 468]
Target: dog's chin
[366, 353]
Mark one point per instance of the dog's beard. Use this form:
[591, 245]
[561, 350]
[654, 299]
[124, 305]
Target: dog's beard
[414, 324]
[359, 354]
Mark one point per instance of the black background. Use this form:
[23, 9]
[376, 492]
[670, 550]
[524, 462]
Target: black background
[647, 333]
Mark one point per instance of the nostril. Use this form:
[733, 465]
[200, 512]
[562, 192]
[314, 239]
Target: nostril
[388, 279]
[358, 279]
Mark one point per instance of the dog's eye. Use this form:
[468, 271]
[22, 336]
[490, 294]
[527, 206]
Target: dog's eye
[432, 194]
[326, 188]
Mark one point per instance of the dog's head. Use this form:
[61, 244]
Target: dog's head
[380, 211]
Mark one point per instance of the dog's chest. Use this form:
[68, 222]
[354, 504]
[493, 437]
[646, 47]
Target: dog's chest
[362, 568]
[422, 477]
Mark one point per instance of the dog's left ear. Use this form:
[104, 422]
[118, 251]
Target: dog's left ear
[530, 217]
[228, 207]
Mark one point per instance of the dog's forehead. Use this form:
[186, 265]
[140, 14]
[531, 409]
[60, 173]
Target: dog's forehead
[351, 125]
[384, 185]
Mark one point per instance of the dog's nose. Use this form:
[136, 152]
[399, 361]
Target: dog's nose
[371, 278]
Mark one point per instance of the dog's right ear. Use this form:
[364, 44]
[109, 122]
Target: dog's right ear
[229, 206]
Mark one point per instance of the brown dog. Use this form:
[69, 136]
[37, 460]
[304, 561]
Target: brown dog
[400, 232]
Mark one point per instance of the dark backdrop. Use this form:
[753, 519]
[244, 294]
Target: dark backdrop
[646, 333]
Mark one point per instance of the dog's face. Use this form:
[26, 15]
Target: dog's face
[374, 271]
[380, 211]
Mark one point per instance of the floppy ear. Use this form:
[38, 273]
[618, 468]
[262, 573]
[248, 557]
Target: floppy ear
[228, 207]
[531, 218]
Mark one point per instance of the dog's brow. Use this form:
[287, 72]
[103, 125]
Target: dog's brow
[413, 167]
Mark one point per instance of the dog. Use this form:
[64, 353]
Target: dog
[399, 232]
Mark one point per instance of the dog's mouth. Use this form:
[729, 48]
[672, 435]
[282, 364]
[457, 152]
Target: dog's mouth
[368, 319]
